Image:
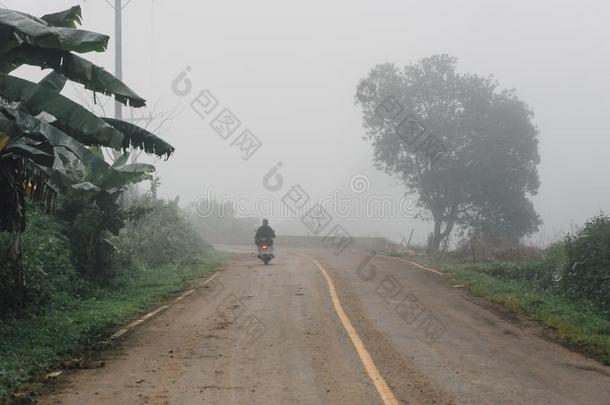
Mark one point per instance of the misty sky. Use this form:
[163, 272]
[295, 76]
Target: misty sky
[288, 71]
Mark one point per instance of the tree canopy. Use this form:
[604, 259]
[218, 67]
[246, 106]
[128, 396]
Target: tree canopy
[481, 181]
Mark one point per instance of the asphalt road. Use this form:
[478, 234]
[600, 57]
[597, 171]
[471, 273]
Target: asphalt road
[314, 328]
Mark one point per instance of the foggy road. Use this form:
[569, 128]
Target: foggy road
[150, 150]
[313, 328]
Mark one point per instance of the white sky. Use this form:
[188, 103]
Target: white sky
[288, 70]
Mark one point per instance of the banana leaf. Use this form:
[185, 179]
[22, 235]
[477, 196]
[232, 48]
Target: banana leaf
[135, 167]
[125, 175]
[39, 130]
[24, 148]
[19, 28]
[86, 186]
[54, 82]
[63, 158]
[139, 138]
[121, 160]
[73, 67]
[120, 175]
[57, 181]
[68, 18]
[72, 118]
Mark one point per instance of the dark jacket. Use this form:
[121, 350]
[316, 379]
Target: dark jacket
[264, 231]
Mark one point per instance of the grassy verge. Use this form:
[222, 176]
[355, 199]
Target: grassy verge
[29, 347]
[578, 325]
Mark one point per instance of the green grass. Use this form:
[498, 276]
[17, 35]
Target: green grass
[578, 325]
[29, 347]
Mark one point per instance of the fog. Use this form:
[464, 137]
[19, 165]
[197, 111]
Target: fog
[288, 71]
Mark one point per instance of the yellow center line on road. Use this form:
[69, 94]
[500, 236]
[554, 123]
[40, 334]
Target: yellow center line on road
[387, 396]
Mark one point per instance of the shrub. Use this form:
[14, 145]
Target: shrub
[587, 272]
[481, 250]
[160, 236]
[49, 271]
[88, 226]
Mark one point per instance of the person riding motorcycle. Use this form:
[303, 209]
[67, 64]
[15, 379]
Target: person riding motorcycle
[264, 232]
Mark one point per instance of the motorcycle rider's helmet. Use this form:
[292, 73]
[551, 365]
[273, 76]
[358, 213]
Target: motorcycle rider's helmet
[265, 222]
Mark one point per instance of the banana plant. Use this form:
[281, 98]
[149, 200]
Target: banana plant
[91, 209]
[50, 42]
[40, 129]
[75, 120]
[29, 147]
[42, 161]
[40, 41]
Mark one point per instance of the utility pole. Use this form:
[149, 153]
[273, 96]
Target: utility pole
[118, 53]
[118, 44]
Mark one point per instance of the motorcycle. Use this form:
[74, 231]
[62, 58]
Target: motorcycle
[265, 250]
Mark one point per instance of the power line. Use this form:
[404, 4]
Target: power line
[115, 7]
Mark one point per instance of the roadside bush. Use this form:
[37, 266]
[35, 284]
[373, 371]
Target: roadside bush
[217, 222]
[49, 272]
[160, 236]
[587, 273]
[577, 267]
[539, 269]
[481, 250]
[536, 274]
[89, 226]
